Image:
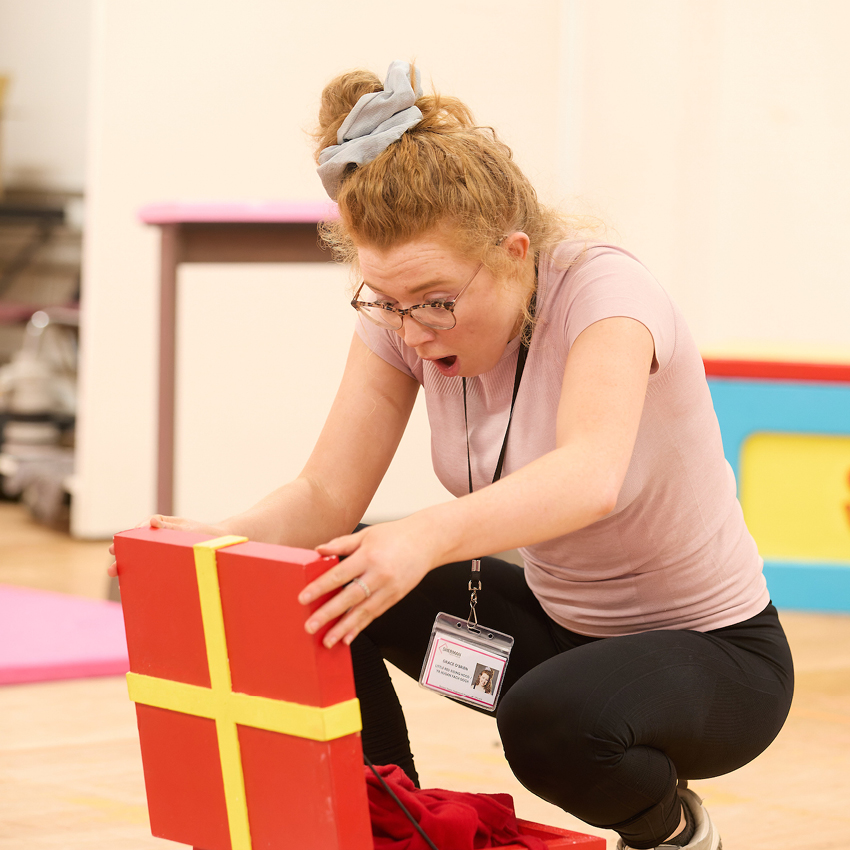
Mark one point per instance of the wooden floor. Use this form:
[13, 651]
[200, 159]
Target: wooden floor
[71, 778]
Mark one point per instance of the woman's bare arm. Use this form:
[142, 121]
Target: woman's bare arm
[356, 445]
[578, 483]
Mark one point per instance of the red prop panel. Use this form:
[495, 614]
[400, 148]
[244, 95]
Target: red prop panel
[297, 791]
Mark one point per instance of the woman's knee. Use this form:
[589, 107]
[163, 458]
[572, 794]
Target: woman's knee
[541, 739]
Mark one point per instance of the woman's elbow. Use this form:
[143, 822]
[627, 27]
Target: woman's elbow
[605, 497]
[601, 503]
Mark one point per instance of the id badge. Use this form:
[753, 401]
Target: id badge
[466, 662]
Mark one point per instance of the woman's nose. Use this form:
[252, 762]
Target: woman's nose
[413, 333]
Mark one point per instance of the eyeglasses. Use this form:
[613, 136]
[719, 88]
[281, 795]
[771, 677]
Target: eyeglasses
[433, 314]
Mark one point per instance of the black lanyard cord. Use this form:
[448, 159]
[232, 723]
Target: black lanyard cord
[522, 356]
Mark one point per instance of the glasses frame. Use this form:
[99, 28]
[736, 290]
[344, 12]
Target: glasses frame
[448, 306]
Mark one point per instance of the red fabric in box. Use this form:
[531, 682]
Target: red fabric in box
[452, 820]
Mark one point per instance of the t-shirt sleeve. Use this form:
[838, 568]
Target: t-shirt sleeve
[609, 283]
[389, 346]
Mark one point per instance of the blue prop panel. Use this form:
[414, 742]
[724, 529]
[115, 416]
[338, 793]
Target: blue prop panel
[749, 406]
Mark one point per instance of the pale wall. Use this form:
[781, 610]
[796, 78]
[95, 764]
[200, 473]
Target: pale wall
[45, 46]
[712, 135]
[715, 137]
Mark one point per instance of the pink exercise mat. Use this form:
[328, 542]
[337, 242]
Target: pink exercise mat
[45, 636]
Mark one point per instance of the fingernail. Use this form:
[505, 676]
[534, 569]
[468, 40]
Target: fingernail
[311, 627]
[304, 598]
[329, 642]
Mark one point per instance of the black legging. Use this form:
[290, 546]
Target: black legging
[602, 727]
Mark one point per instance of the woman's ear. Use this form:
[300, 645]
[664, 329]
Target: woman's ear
[517, 244]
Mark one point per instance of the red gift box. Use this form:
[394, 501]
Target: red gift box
[249, 727]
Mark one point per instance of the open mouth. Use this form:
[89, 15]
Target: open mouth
[447, 365]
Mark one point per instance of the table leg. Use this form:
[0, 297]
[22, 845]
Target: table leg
[169, 259]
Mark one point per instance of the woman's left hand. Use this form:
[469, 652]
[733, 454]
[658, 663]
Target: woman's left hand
[383, 563]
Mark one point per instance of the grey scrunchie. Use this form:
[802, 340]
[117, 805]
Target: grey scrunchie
[376, 121]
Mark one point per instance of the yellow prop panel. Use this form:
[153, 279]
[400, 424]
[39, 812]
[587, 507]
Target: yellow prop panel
[795, 491]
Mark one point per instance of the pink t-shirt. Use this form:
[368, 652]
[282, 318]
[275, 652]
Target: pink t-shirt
[675, 552]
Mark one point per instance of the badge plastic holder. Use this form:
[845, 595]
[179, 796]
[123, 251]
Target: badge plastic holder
[466, 661]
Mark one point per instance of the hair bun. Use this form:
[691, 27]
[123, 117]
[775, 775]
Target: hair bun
[375, 122]
[338, 99]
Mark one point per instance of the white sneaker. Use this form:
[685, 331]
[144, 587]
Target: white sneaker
[705, 835]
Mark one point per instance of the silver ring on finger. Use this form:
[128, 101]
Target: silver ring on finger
[362, 585]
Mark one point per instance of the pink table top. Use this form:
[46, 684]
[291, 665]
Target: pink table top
[238, 212]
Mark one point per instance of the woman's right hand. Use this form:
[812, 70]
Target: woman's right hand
[177, 524]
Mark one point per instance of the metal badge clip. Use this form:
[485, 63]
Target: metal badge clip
[475, 575]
